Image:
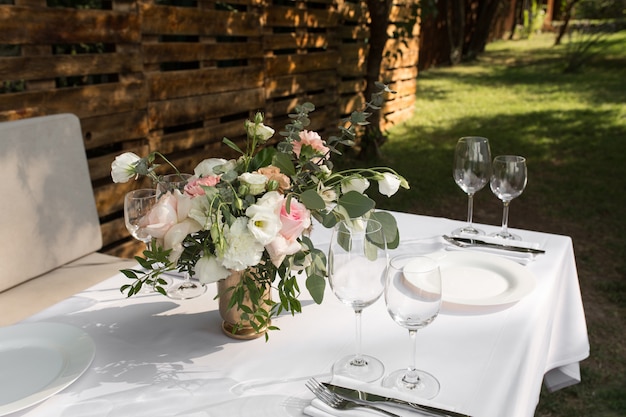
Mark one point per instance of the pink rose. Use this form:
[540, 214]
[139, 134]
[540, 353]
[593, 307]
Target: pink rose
[172, 208]
[194, 186]
[296, 221]
[280, 247]
[312, 139]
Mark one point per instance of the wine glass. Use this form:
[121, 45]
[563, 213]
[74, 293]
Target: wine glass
[186, 289]
[507, 182]
[471, 172]
[137, 205]
[357, 259]
[413, 299]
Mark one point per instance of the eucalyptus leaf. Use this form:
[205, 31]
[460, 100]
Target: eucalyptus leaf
[312, 200]
[316, 286]
[390, 228]
[356, 204]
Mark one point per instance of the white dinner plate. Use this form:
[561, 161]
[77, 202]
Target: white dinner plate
[37, 360]
[482, 279]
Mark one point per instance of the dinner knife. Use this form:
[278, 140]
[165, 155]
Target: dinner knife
[477, 242]
[367, 397]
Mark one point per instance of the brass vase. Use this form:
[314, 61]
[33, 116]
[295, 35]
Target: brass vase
[232, 316]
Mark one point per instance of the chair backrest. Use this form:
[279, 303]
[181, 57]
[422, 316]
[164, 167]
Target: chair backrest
[48, 214]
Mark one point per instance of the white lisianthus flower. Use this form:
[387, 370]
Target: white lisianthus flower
[205, 168]
[261, 131]
[389, 184]
[354, 183]
[242, 248]
[255, 182]
[264, 223]
[209, 270]
[123, 167]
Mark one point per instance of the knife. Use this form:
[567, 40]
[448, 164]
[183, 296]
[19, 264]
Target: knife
[367, 397]
[463, 241]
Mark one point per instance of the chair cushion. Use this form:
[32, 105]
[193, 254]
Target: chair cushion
[48, 215]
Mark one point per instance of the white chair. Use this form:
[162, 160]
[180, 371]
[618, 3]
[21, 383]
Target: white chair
[50, 232]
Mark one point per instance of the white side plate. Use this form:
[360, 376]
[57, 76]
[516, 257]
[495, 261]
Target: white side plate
[37, 360]
[473, 278]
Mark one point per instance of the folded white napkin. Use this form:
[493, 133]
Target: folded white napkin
[318, 409]
[519, 257]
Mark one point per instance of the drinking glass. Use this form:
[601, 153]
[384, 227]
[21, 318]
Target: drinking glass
[188, 288]
[413, 299]
[357, 259]
[507, 182]
[471, 172]
[137, 205]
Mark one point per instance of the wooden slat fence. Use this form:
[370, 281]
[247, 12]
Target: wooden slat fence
[178, 77]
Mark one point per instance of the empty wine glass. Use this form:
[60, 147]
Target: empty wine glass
[357, 259]
[471, 172]
[137, 205]
[413, 299]
[188, 288]
[507, 182]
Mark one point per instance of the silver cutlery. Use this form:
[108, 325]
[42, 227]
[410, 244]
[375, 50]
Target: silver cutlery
[464, 242]
[338, 402]
[367, 397]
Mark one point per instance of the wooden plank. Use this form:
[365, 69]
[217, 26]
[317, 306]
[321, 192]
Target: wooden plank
[301, 63]
[296, 40]
[52, 66]
[299, 83]
[90, 100]
[176, 84]
[65, 25]
[186, 51]
[186, 110]
[287, 16]
[113, 128]
[170, 20]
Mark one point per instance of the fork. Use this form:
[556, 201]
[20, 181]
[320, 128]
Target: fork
[337, 402]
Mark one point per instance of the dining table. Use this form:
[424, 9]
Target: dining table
[148, 355]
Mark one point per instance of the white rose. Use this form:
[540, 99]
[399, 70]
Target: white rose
[354, 183]
[176, 235]
[123, 167]
[255, 182]
[389, 184]
[261, 131]
[205, 168]
[209, 270]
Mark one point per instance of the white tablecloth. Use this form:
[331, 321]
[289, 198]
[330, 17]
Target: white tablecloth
[160, 357]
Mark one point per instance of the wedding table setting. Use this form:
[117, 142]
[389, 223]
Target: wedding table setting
[240, 303]
[153, 356]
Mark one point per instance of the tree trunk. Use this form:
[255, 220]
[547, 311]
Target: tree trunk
[455, 22]
[569, 7]
[379, 22]
[486, 13]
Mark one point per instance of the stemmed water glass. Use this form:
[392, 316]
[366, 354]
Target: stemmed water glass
[137, 205]
[471, 172]
[413, 299]
[186, 289]
[357, 259]
[508, 182]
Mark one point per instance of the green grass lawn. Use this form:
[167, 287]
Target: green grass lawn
[572, 129]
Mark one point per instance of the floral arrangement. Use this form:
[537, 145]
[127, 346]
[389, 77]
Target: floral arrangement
[253, 214]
